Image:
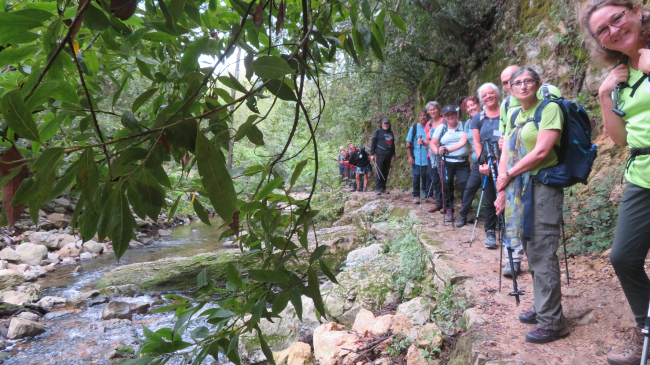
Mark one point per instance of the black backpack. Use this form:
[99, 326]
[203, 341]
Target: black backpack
[576, 153]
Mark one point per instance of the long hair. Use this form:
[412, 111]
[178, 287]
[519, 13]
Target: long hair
[604, 55]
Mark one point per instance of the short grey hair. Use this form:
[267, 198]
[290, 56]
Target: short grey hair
[523, 69]
[493, 86]
[435, 105]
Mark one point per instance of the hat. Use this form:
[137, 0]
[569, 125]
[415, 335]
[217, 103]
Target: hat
[449, 109]
[385, 120]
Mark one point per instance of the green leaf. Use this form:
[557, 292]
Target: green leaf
[143, 98]
[17, 36]
[12, 56]
[88, 174]
[18, 116]
[354, 13]
[47, 130]
[190, 60]
[233, 276]
[271, 67]
[296, 300]
[41, 95]
[326, 270]
[200, 332]
[172, 211]
[281, 90]
[24, 192]
[318, 252]
[232, 83]
[269, 187]
[201, 279]
[23, 19]
[268, 276]
[200, 212]
[129, 121]
[108, 200]
[398, 21]
[91, 60]
[64, 182]
[280, 302]
[376, 48]
[265, 347]
[255, 135]
[244, 127]
[365, 9]
[358, 41]
[95, 18]
[66, 92]
[297, 171]
[48, 159]
[121, 227]
[176, 9]
[314, 288]
[215, 178]
[151, 193]
[144, 69]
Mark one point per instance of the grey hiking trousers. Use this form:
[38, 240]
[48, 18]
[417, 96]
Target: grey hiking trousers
[541, 251]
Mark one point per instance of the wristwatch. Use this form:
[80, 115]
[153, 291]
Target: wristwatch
[508, 175]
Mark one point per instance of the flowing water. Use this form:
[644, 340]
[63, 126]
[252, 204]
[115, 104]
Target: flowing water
[80, 336]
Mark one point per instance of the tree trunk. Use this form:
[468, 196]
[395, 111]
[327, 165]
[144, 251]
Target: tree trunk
[232, 110]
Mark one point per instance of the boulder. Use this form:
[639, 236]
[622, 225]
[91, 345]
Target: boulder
[329, 341]
[116, 323]
[127, 290]
[165, 232]
[88, 299]
[391, 324]
[29, 316]
[50, 303]
[54, 315]
[8, 254]
[472, 318]
[86, 256]
[65, 238]
[59, 220]
[62, 202]
[383, 231]
[10, 277]
[69, 250]
[360, 255]
[417, 310]
[118, 310]
[139, 307]
[93, 247]
[21, 328]
[300, 354]
[53, 257]
[351, 205]
[30, 253]
[364, 321]
[3, 264]
[281, 357]
[429, 337]
[16, 297]
[415, 356]
[34, 272]
[47, 239]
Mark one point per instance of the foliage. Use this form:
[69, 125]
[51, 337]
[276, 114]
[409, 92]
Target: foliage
[399, 345]
[449, 310]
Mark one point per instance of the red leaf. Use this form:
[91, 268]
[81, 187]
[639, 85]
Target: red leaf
[281, 12]
[77, 25]
[164, 143]
[8, 191]
[258, 15]
[235, 223]
[186, 159]
[124, 9]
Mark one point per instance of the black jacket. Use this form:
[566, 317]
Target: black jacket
[383, 143]
[360, 158]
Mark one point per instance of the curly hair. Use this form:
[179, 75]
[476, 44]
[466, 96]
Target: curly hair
[604, 55]
[471, 98]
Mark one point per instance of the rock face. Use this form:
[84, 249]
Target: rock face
[329, 341]
[417, 310]
[47, 239]
[361, 255]
[10, 277]
[21, 328]
[169, 274]
[119, 310]
[30, 253]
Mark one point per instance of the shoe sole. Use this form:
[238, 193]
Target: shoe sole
[612, 362]
[491, 247]
[528, 321]
[550, 339]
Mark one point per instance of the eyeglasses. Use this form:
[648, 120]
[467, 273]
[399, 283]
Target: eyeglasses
[617, 21]
[518, 84]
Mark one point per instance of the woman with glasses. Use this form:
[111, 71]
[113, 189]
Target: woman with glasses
[528, 148]
[619, 32]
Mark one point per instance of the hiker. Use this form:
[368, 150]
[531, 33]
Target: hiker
[350, 170]
[450, 143]
[343, 155]
[620, 32]
[416, 149]
[526, 151]
[359, 158]
[382, 152]
[473, 106]
[485, 125]
[434, 109]
[509, 104]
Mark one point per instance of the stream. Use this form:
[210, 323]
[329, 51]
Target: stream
[80, 336]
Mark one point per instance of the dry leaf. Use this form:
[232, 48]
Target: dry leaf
[258, 15]
[235, 223]
[124, 9]
[281, 12]
[9, 189]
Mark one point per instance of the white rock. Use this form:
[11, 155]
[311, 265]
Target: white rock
[50, 303]
[47, 239]
[21, 328]
[360, 255]
[53, 257]
[165, 232]
[15, 297]
[3, 264]
[69, 250]
[417, 310]
[31, 253]
[93, 247]
[10, 277]
[30, 316]
[68, 260]
[8, 254]
[86, 256]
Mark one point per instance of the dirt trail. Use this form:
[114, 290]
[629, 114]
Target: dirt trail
[594, 304]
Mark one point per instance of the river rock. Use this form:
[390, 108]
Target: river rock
[62, 202]
[300, 354]
[34, 272]
[29, 316]
[10, 277]
[3, 264]
[88, 299]
[8, 254]
[53, 257]
[116, 323]
[118, 310]
[360, 255]
[329, 341]
[417, 310]
[93, 247]
[30, 253]
[281, 357]
[127, 290]
[47, 239]
[54, 315]
[139, 307]
[165, 232]
[50, 303]
[86, 256]
[69, 250]
[68, 260]
[16, 297]
[59, 220]
[21, 328]
[65, 238]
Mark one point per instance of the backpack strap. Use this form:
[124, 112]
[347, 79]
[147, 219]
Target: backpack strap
[513, 118]
[537, 118]
[507, 105]
[546, 94]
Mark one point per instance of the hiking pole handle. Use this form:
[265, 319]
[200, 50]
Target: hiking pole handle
[617, 89]
[646, 339]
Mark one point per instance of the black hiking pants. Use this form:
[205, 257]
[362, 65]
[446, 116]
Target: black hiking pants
[474, 184]
[434, 184]
[383, 168]
[461, 171]
[630, 248]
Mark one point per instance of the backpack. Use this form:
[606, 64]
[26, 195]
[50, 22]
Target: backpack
[576, 153]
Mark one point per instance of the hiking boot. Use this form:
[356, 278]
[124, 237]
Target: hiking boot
[416, 201]
[449, 216]
[539, 335]
[461, 221]
[470, 216]
[352, 190]
[377, 192]
[365, 190]
[529, 317]
[434, 209]
[491, 240]
[631, 355]
[384, 191]
[507, 272]
[428, 200]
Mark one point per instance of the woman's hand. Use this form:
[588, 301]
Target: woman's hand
[500, 202]
[502, 181]
[484, 169]
[443, 150]
[644, 60]
[372, 157]
[619, 74]
[501, 142]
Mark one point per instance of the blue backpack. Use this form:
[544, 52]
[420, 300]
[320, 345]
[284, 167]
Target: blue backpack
[576, 153]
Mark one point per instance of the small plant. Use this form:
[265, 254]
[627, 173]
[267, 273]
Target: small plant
[400, 343]
[449, 310]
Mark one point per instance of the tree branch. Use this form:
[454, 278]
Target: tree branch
[439, 63]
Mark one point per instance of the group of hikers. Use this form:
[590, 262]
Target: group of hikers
[525, 149]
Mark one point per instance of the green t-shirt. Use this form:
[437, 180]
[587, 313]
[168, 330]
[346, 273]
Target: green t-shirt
[506, 114]
[637, 120]
[552, 118]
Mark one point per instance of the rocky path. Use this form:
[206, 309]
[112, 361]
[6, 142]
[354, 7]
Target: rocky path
[593, 303]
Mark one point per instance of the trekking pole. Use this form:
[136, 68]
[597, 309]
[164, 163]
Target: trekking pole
[566, 261]
[420, 168]
[442, 186]
[646, 338]
[500, 257]
[479, 211]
